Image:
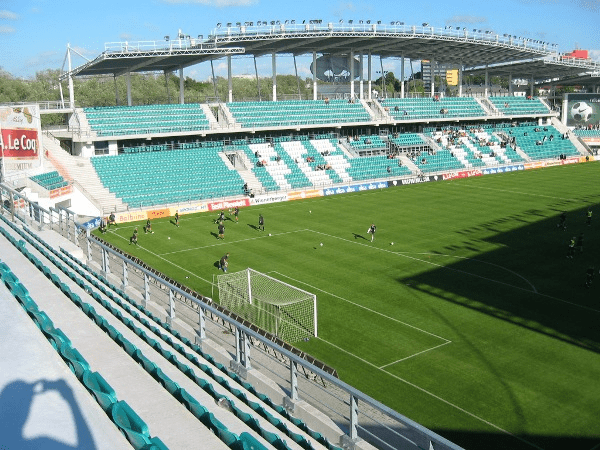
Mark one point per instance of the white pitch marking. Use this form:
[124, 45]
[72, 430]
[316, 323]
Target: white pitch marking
[415, 354]
[363, 307]
[262, 236]
[434, 395]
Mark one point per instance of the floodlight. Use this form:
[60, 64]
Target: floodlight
[219, 25]
[293, 22]
[200, 36]
[425, 24]
[229, 24]
[392, 23]
[360, 21]
[458, 28]
[368, 22]
[341, 21]
[287, 21]
[277, 22]
[167, 38]
[379, 22]
[351, 21]
[272, 22]
[238, 24]
[304, 21]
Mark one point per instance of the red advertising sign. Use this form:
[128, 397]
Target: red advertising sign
[226, 204]
[463, 174]
[21, 144]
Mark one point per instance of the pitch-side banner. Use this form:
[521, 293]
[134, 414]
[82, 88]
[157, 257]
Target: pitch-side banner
[20, 131]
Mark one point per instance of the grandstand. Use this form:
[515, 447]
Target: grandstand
[150, 363]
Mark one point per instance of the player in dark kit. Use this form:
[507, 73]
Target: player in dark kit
[589, 276]
[134, 237]
[261, 222]
[221, 217]
[580, 242]
[589, 217]
[148, 227]
[372, 229]
[224, 262]
[563, 221]
[112, 220]
[236, 212]
[571, 248]
[221, 231]
[177, 218]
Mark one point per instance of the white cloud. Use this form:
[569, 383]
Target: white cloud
[466, 18]
[6, 30]
[43, 60]
[4, 14]
[590, 5]
[595, 54]
[217, 3]
[125, 37]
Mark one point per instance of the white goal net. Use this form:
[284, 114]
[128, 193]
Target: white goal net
[277, 307]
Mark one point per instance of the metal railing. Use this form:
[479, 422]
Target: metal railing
[355, 413]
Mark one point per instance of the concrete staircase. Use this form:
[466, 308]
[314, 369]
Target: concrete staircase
[84, 177]
[556, 123]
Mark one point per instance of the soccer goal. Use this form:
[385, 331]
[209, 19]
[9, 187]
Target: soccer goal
[277, 307]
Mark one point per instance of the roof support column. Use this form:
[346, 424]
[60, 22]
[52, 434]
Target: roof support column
[510, 84]
[297, 79]
[257, 79]
[274, 69]
[460, 74]
[531, 90]
[117, 90]
[487, 81]
[314, 64]
[351, 73]
[402, 76]
[71, 92]
[128, 88]
[369, 75]
[229, 80]
[361, 94]
[432, 75]
[181, 90]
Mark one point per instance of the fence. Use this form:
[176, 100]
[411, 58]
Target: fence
[298, 375]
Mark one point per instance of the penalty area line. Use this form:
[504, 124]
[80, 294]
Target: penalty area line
[446, 341]
[437, 397]
[170, 262]
[415, 354]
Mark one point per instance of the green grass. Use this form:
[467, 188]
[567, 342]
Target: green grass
[474, 323]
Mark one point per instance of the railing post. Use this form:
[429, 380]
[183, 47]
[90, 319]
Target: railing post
[124, 283]
[201, 326]
[171, 315]
[146, 291]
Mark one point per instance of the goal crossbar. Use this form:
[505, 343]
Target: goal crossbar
[284, 310]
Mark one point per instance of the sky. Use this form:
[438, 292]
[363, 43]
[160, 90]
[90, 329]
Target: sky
[34, 34]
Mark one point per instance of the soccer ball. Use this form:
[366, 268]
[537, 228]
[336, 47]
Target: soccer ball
[169, 237]
[321, 244]
[581, 111]
[269, 234]
[391, 243]
[310, 212]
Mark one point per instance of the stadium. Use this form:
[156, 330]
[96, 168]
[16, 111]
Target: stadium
[350, 268]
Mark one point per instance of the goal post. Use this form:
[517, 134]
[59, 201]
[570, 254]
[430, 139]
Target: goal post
[281, 309]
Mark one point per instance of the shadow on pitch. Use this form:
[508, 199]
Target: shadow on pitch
[359, 236]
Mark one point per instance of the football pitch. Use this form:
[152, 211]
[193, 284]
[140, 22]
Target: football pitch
[473, 323]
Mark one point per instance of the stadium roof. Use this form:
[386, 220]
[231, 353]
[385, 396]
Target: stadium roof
[542, 69]
[120, 58]
[447, 45]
